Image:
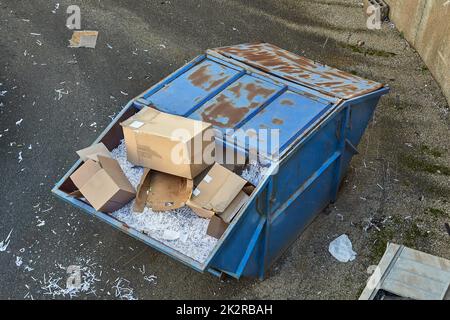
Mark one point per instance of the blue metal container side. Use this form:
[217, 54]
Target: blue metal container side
[321, 114]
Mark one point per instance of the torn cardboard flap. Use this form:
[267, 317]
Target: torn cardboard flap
[162, 191]
[220, 222]
[217, 190]
[235, 205]
[102, 183]
[92, 152]
[168, 143]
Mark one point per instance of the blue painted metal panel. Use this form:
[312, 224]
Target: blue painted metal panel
[321, 114]
[290, 113]
[287, 65]
[242, 99]
[192, 87]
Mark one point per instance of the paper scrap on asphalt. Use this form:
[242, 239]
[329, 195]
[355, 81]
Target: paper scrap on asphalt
[83, 39]
[5, 243]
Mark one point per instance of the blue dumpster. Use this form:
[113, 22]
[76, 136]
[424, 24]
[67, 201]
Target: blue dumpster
[321, 114]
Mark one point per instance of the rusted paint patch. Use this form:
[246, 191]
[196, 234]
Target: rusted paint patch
[200, 76]
[277, 121]
[254, 90]
[236, 89]
[204, 79]
[287, 102]
[223, 113]
[292, 67]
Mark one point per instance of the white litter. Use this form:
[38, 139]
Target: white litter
[170, 235]
[123, 289]
[151, 279]
[19, 122]
[5, 243]
[56, 8]
[20, 157]
[51, 285]
[60, 93]
[341, 249]
[41, 223]
[19, 261]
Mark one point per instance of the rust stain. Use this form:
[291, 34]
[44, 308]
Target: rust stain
[223, 109]
[287, 102]
[216, 83]
[271, 59]
[200, 76]
[277, 121]
[236, 89]
[254, 90]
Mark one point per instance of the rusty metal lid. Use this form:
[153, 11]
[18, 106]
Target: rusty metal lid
[294, 68]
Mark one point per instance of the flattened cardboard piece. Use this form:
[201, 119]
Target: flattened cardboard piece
[83, 39]
[92, 152]
[168, 192]
[162, 191]
[163, 142]
[141, 194]
[217, 194]
[237, 203]
[103, 184]
[216, 227]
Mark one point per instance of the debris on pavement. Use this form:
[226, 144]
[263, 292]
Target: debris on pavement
[123, 291]
[83, 39]
[55, 284]
[341, 249]
[18, 261]
[5, 243]
[56, 8]
[151, 279]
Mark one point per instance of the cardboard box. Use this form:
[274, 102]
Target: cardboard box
[102, 182]
[215, 192]
[162, 191]
[168, 143]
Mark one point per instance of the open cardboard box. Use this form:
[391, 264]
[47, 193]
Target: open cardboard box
[111, 138]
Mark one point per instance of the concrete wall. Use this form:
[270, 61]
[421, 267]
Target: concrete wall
[426, 25]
